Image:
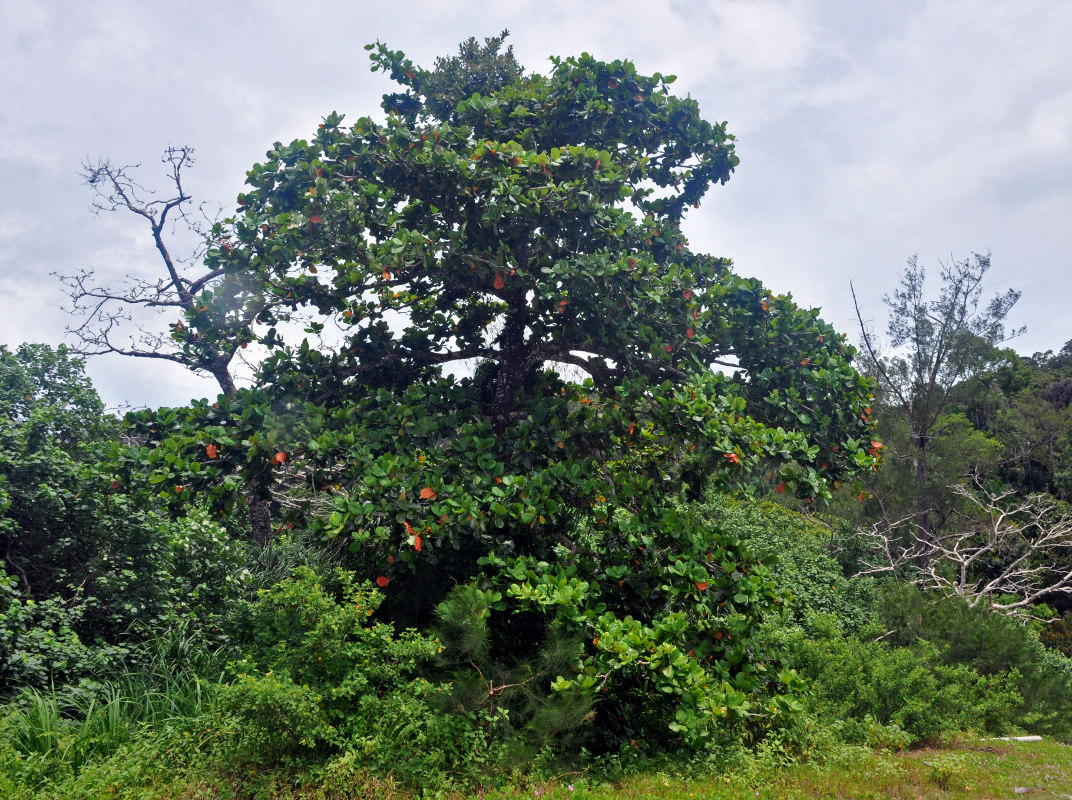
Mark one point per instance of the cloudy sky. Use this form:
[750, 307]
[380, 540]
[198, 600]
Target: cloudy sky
[867, 131]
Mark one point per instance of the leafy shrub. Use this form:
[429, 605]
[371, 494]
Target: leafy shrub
[991, 645]
[320, 676]
[798, 551]
[871, 682]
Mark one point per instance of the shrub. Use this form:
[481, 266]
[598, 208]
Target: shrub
[991, 645]
[866, 682]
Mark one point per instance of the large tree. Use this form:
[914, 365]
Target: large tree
[495, 359]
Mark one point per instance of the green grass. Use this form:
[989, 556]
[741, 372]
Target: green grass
[967, 770]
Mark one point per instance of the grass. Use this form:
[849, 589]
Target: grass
[965, 770]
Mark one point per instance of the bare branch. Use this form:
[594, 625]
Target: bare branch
[1008, 552]
[107, 311]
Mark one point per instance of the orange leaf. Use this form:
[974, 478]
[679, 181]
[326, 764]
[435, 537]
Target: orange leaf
[632, 427]
[417, 543]
[701, 585]
[210, 451]
[804, 362]
[382, 581]
[386, 275]
[499, 283]
[765, 305]
[279, 458]
[732, 458]
[428, 493]
[178, 489]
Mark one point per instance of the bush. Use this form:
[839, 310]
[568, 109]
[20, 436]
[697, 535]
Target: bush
[321, 677]
[991, 645]
[867, 682]
[798, 551]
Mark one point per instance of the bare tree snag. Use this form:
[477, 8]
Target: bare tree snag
[1007, 552]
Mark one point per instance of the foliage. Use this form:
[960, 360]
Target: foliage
[802, 554]
[86, 556]
[991, 645]
[862, 682]
[530, 227]
[319, 677]
[1058, 634]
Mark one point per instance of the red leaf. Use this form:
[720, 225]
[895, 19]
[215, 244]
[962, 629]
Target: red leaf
[382, 581]
[499, 283]
[315, 219]
[417, 544]
[690, 333]
[178, 489]
[408, 528]
[669, 348]
[428, 493]
[279, 458]
[210, 451]
[687, 294]
[701, 585]
[780, 488]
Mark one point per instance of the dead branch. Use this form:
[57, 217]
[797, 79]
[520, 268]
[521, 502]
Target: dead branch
[1008, 552]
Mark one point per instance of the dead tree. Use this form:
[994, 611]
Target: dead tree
[1008, 553]
[117, 319]
[207, 331]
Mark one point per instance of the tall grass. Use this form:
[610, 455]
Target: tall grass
[47, 736]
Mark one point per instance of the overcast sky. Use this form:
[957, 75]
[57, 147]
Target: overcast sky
[867, 131]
